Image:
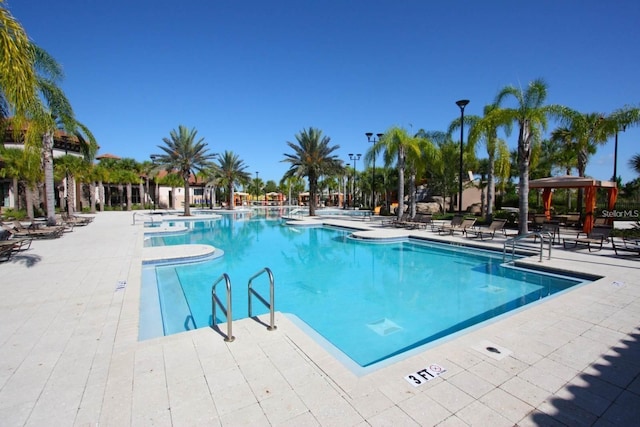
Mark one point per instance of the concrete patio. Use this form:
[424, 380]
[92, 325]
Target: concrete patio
[70, 355]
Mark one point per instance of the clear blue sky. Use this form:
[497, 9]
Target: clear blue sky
[249, 75]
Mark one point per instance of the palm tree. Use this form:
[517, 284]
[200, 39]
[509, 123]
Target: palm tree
[485, 129]
[312, 158]
[26, 71]
[231, 171]
[24, 167]
[396, 143]
[530, 114]
[292, 185]
[66, 168]
[18, 83]
[416, 165]
[185, 156]
[58, 119]
[634, 163]
[99, 175]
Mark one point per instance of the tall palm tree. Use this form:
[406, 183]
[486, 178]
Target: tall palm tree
[416, 165]
[485, 130]
[530, 113]
[311, 158]
[185, 155]
[27, 71]
[395, 144]
[231, 170]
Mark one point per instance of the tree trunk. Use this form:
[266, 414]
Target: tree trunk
[312, 194]
[92, 197]
[16, 193]
[71, 194]
[400, 182]
[29, 200]
[129, 196]
[143, 194]
[491, 186]
[187, 202]
[524, 154]
[412, 192]
[232, 200]
[101, 198]
[47, 164]
[583, 158]
[121, 201]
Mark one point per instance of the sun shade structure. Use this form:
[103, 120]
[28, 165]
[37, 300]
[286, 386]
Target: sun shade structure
[568, 181]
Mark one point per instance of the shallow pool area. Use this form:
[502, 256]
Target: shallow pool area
[370, 301]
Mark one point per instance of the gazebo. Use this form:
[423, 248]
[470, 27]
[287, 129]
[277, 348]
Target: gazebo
[569, 181]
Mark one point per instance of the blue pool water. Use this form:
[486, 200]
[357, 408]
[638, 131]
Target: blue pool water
[370, 300]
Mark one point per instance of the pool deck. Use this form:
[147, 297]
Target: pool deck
[70, 355]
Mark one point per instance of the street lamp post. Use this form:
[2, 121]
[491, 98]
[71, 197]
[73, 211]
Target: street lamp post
[373, 173]
[153, 158]
[354, 158]
[615, 155]
[345, 202]
[461, 103]
[257, 189]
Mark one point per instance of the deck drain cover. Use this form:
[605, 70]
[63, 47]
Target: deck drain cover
[384, 327]
[492, 350]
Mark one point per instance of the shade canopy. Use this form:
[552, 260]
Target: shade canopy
[569, 181]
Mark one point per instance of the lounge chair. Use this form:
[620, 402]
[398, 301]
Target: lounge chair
[456, 221]
[466, 223]
[75, 220]
[7, 249]
[626, 246]
[393, 222]
[19, 231]
[420, 221]
[593, 239]
[497, 225]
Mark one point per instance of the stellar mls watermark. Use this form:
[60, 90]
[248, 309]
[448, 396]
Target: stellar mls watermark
[629, 213]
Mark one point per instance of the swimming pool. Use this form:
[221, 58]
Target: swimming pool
[370, 300]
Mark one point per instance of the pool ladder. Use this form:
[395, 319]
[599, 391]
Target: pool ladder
[543, 235]
[215, 301]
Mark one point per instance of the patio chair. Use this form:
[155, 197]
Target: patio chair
[75, 220]
[497, 225]
[466, 224]
[626, 246]
[420, 221]
[393, 222]
[595, 238]
[456, 221]
[33, 232]
[7, 249]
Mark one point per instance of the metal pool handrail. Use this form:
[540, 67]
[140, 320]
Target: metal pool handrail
[512, 241]
[269, 304]
[216, 301]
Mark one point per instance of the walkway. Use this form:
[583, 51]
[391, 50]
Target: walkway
[69, 354]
